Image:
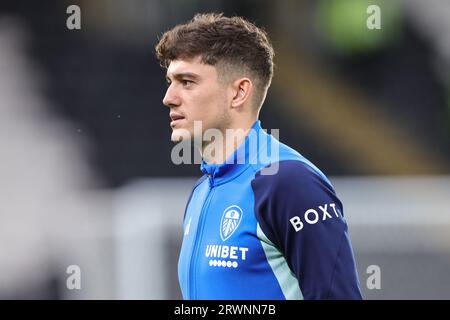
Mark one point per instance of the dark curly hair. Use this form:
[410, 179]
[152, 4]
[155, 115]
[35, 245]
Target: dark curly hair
[222, 42]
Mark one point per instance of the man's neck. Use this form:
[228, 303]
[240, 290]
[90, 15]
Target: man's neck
[233, 137]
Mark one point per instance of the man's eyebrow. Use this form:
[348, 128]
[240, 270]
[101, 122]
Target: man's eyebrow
[182, 75]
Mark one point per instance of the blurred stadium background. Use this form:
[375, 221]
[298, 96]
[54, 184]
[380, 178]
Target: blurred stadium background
[86, 177]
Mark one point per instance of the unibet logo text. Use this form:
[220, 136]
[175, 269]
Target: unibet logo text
[312, 216]
[225, 256]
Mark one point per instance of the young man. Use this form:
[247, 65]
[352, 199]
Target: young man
[263, 222]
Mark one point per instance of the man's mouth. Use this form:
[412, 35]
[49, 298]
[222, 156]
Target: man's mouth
[176, 118]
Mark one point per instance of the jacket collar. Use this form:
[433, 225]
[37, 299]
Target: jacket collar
[239, 161]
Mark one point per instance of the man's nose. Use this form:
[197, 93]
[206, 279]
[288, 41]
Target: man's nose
[171, 99]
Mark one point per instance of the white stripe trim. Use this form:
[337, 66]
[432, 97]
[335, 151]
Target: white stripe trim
[286, 278]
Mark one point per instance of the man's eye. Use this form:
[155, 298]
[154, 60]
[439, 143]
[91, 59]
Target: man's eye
[187, 83]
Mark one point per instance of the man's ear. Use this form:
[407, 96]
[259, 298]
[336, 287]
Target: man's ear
[242, 92]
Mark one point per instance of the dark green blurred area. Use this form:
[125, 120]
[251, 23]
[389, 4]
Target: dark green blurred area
[344, 25]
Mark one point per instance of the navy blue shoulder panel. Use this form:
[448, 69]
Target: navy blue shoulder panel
[202, 178]
[300, 213]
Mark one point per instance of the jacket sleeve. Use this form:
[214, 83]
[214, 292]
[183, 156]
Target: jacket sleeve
[301, 215]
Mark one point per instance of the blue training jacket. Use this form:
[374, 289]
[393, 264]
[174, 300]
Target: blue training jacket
[266, 224]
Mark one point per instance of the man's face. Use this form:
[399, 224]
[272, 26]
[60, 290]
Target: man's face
[195, 94]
